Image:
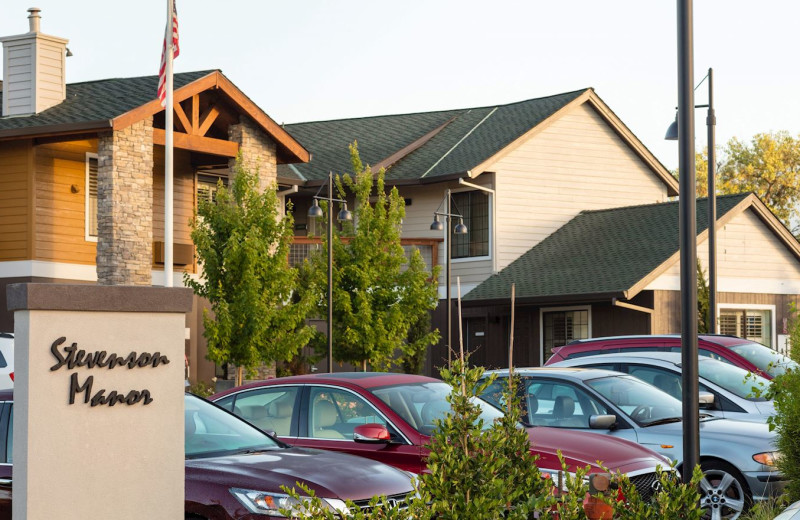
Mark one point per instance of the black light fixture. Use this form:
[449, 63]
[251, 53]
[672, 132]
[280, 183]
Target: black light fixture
[344, 215]
[672, 131]
[458, 229]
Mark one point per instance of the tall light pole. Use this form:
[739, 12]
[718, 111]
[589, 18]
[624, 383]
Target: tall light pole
[672, 135]
[315, 212]
[459, 229]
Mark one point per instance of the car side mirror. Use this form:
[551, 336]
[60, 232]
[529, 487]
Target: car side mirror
[372, 433]
[706, 400]
[602, 422]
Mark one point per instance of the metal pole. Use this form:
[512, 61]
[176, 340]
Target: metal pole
[688, 240]
[711, 122]
[330, 272]
[168, 152]
[448, 247]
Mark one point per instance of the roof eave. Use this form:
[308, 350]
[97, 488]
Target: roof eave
[549, 299]
[54, 130]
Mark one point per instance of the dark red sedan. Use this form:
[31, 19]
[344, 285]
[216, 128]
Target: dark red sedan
[235, 471]
[390, 418]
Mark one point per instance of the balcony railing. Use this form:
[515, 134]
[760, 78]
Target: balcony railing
[428, 247]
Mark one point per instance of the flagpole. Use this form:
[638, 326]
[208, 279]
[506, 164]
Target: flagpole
[168, 125]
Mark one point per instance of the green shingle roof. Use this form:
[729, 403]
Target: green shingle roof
[602, 252]
[94, 101]
[471, 136]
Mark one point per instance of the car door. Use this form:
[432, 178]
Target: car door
[329, 416]
[270, 408]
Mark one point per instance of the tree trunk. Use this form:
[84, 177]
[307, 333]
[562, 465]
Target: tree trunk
[364, 365]
[239, 376]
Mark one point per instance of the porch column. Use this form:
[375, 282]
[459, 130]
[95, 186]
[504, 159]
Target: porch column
[125, 205]
[257, 149]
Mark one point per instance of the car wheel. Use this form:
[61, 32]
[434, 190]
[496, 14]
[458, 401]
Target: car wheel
[724, 494]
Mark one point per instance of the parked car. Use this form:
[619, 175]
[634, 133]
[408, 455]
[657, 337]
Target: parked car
[737, 458]
[390, 417]
[731, 387]
[749, 355]
[790, 513]
[235, 471]
[6, 360]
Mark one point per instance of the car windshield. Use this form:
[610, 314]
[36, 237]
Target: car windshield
[765, 358]
[643, 403]
[734, 379]
[420, 404]
[211, 432]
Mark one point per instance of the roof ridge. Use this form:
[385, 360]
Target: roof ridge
[142, 77]
[668, 202]
[460, 110]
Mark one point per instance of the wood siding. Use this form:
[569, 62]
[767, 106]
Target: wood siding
[184, 197]
[15, 196]
[50, 89]
[60, 210]
[577, 163]
[18, 64]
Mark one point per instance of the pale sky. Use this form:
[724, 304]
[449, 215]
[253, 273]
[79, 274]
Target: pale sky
[308, 60]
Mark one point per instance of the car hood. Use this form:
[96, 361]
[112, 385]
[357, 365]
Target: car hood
[765, 407]
[715, 433]
[329, 474]
[581, 449]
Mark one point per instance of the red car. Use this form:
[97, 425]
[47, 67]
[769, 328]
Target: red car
[749, 355]
[390, 418]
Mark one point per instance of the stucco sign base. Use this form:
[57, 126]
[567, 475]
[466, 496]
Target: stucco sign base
[79, 461]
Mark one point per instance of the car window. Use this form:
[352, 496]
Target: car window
[643, 403]
[734, 379]
[334, 414]
[710, 354]
[764, 358]
[666, 380]
[560, 404]
[270, 408]
[584, 353]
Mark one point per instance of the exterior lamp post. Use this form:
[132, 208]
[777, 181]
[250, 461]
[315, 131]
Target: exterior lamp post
[344, 215]
[458, 229]
[672, 135]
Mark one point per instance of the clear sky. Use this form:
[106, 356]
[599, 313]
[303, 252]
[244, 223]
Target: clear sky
[305, 60]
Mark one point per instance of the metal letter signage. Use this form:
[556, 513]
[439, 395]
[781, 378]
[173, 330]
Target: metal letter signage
[72, 358]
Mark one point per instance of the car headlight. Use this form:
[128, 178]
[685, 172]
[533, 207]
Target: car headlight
[264, 503]
[768, 458]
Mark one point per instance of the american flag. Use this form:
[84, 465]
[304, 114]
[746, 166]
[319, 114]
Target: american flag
[162, 72]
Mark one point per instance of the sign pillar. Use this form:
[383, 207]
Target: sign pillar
[98, 401]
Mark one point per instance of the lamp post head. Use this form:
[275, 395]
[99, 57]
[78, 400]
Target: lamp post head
[315, 211]
[437, 224]
[461, 228]
[672, 131]
[344, 214]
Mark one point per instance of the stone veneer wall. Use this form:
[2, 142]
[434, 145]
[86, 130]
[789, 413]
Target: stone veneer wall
[125, 205]
[257, 150]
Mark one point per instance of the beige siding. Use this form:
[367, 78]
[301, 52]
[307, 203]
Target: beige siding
[50, 75]
[577, 163]
[183, 191]
[17, 91]
[750, 258]
[61, 203]
[15, 225]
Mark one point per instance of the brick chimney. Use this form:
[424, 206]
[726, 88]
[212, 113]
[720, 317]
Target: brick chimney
[33, 70]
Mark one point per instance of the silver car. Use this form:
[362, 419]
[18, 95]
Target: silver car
[737, 458]
[731, 386]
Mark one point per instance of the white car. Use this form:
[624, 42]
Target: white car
[6, 361]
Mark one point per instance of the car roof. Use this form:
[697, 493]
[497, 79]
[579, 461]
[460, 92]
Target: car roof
[719, 339]
[575, 373]
[358, 379]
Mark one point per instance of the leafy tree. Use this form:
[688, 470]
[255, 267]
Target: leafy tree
[417, 344]
[703, 300]
[242, 243]
[375, 300]
[769, 166]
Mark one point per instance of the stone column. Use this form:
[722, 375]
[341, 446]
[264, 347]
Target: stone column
[257, 150]
[125, 205]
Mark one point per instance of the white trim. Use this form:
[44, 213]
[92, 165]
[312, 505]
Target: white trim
[490, 194]
[742, 285]
[465, 289]
[542, 310]
[157, 278]
[41, 269]
[755, 307]
[87, 236]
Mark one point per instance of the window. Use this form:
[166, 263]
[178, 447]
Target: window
[334, 414]
[559, 327]
[91, 197]
[474, 207]
[207, 186]
[267, 408]
[748, 323]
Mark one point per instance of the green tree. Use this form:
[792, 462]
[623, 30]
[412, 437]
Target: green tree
[242, 244]
[378, 292]
[703, 302]
[769, 166]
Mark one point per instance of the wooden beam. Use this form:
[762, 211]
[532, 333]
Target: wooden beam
[187, 126]
[197, 143]
[208, 118]
[195, 112]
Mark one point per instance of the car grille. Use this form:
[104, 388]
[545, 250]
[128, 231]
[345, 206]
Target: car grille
[390, 502]
[647, 485]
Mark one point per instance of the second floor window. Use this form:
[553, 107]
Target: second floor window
[474, 207]
[91, 197]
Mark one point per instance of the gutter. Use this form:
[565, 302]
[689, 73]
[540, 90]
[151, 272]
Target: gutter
[49, 130]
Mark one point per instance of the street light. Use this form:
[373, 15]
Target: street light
[672, 135]
[458, 229]
[315, 212]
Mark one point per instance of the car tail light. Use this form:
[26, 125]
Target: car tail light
[12, 376]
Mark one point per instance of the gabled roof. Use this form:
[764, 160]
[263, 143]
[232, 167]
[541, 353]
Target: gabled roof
[436, 146]
[612, 253]
[117, 103]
